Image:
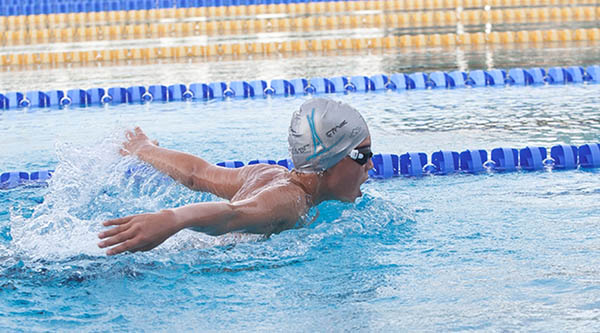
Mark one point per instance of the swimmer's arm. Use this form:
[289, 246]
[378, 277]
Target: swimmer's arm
[189, 170]
[261, 214]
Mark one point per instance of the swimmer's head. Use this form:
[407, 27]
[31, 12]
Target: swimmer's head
[323, 132]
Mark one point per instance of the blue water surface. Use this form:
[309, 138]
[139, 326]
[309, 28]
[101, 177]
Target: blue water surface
[492, 252]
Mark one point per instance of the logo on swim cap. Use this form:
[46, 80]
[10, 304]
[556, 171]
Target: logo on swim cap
[323, 132]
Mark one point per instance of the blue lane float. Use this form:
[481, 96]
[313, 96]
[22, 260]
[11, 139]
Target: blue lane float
[410, 164]
[36, 7]
[10, 180]
[398, 82]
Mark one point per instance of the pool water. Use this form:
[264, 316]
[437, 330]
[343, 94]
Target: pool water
[498, 251]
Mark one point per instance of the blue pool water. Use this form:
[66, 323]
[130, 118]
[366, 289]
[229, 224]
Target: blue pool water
[513, 251]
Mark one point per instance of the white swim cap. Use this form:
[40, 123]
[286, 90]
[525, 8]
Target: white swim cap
[323, 132]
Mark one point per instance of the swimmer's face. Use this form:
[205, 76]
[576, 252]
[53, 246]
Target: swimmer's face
[347, 176]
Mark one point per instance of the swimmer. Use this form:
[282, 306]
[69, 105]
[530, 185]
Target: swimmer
[330, 146]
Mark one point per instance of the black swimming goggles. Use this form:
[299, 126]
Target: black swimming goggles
[361, 155]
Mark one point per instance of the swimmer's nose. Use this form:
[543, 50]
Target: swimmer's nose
[370, 164]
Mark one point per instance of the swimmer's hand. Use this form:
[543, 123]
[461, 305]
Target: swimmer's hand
[141, 232]
[271, 210]
[136, 140]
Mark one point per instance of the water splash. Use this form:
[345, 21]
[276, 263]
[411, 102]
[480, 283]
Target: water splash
[59, 226]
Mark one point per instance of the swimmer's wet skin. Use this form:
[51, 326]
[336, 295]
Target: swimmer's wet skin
[330, 146]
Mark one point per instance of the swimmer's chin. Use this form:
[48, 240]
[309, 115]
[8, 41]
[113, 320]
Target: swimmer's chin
[354, 198]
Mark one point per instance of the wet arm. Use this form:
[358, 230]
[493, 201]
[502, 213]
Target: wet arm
[144, 232]
[192, 171]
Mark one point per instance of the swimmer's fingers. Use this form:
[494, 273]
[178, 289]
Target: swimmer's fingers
[129, 135]
[118, 221]
[119, 238]
[128, 245]
[113, 231]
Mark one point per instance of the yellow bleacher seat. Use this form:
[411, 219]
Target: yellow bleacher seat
[354, 22]
[497, 16]
[371, 5]
[378, 20]
[509, 15]
[368, 21]
[594, 34]
[555, 13]
[493, 37]
[97, 17]
[24, 59]
[114, 32]
[477, 38]
[89, 33]
[551, 36]
[212, 26]
[522, 36]
[474, 16]
[80, 18]
[580, 35]
[236, 25]
[565, 35]
[7, 59]
[472, 3]
[13, 37]
[531, 15]
[389, 42]
[579, 13]
[544, 14]
[282, 8]
[427, 18]
[403, 19]
[258, 25]
[326, 44]
[20, 21]
[394, 5]
[566, 14]
[321, 22]
[507, 37]
[405, 41]
[345, 22]
[455, 3]
[47, 58]
[520, 15]
[346, 44]
[376, 43]
[434, 40]
[378, 4]
[299, 8]
[536, 36]
[79, 34]
[42, 36]
[178, 51]
[419, 40]
[65, 34]
[449, 39]
[333, 22]
[285, 46]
